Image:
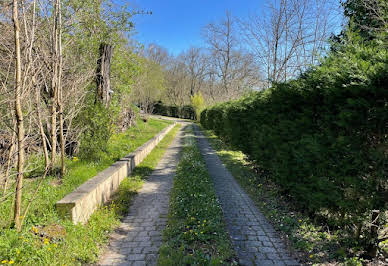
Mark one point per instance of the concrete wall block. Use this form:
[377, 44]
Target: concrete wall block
[80, 204]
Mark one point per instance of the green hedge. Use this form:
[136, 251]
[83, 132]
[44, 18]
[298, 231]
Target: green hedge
[186, 111]
[323, 137]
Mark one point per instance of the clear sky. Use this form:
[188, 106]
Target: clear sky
[177, 24]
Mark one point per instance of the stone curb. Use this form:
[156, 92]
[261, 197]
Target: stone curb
[80, 204]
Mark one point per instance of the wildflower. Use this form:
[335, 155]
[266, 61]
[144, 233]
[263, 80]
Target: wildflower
[17, 251]
[300, 220]
[49, 249]
[55, 245]
[75, 159]
[4, 261]
[11, 262]
[311, 256]
[46, 241]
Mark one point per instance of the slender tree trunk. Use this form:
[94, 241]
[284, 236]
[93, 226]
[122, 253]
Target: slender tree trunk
[374, 233]
[19, 118]
[54, 89]
[41, 130]
[59, 86]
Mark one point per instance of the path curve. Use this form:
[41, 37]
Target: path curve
[253, 237]
[138, 239]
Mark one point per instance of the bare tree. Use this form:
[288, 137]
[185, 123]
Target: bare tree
[19, 116]
[234, 68]
[196, 64]
[177, 81]
[289, 36]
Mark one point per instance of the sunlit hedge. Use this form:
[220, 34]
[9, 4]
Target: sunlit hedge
[323, 137]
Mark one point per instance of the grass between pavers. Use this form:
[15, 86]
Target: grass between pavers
[195, 233]
[311, 241]
[46, 239]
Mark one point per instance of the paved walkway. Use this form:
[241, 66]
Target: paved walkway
[253, 238]
[139, 237]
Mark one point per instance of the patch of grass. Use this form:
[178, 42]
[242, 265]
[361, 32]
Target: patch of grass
[79, 243]
[195, 232]
[311, 241]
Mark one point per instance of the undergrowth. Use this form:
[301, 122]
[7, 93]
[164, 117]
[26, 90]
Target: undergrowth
[46, 239]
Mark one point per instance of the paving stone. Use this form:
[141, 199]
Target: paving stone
[137, 250]
[139, 237]
[244, 221]
[136, 257]
[139, 263]
[265, 263]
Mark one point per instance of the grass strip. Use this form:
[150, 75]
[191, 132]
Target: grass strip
[195, 232]
[309, 239]
[52, 241]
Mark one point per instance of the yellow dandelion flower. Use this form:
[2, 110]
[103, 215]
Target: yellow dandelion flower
[311, 256]
[46, 241]
[4, 261]
[11, 262]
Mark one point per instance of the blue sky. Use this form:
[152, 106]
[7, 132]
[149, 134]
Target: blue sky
[177, 24]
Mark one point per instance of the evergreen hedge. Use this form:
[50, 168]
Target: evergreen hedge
[322, 137]
[186, 111]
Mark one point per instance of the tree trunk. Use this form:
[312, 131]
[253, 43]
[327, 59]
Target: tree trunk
[19, 118]
[41, 130]
[374, 234]
[103, 90]
[59, 87]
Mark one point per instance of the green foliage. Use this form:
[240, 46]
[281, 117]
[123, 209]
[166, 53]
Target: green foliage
[198, 103]
[322, 138]
[98, 122]
[367, 17]
[186, 111]
[195, 233]
[149, 84]
[306, 235]
[81, 243]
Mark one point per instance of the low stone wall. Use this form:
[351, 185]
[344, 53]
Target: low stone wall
[80, 204]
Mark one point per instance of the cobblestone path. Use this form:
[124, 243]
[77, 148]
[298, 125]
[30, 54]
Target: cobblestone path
[139, 237]
[253, 238]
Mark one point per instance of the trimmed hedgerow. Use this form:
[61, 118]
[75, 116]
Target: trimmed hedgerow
[185, 112]
[323, 137]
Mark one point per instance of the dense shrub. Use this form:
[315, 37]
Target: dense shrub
[186, 111]
[98, 124]
[323, 138]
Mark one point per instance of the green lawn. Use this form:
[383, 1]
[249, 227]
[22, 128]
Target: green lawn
[195, 232]
[46, 239]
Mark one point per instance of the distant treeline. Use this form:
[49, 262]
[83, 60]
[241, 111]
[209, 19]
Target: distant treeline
[186, 111]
